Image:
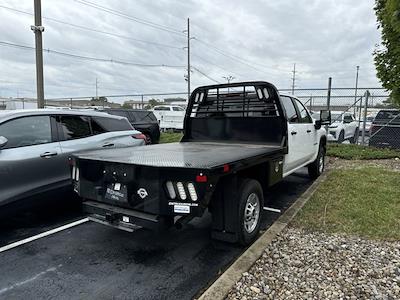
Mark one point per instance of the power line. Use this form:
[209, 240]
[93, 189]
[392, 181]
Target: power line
[228, 55]
[94, 30]
[90, 58]
[205, 75]
[218, 66]
[236, 58]
[129, 17]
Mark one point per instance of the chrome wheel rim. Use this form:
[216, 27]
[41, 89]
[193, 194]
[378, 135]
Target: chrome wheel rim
[251, 212]
[321, 164]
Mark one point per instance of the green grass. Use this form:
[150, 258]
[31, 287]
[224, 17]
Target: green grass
[170, 137]
[364, 202]
[349, 151]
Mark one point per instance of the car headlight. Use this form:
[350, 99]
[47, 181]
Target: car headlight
[333, 126]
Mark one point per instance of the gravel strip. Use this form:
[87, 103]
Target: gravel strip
[304, 265]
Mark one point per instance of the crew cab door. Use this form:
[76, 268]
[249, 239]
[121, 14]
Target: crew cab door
[306, 125]
[298, 137]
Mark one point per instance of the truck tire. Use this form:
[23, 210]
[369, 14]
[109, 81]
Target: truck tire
[317, 167]
[353, 139]
[341, 137]
[251, 201]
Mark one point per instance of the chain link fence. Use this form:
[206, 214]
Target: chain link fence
[361, 116]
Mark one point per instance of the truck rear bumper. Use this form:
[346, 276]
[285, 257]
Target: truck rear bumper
[122, 218]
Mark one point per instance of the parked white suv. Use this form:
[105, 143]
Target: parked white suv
[344, 127]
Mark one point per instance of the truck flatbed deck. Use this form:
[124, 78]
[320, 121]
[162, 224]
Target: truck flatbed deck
[197, 155]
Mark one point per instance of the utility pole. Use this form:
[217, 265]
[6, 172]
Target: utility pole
[355, 92]
[188, 57]
[38, 29]
[293, 78]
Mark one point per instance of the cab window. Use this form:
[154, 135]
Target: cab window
[304, 116]
[291, 112]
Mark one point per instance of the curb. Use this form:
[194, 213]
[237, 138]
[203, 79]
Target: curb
[221, 287]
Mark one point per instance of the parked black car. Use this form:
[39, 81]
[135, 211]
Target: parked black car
[385, 129]
[141, 120]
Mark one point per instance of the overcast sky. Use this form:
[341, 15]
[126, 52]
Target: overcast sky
[250, 40]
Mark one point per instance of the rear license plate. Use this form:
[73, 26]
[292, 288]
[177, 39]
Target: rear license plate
[117, 192]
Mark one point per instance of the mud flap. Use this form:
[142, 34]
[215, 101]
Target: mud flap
[225, 211]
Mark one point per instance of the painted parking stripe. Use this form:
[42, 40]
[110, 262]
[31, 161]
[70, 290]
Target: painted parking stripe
[43, 234]
[272, 209]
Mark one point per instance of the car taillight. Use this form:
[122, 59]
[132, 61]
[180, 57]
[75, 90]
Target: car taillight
[140, 136]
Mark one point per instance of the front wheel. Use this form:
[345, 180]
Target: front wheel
[251, 202]
[317, 167]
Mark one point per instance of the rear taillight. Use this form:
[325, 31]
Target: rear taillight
[140, 136]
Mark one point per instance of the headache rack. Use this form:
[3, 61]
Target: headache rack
[235, 100]
[243, 112]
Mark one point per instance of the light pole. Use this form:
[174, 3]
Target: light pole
[228, 78]
[356, 89]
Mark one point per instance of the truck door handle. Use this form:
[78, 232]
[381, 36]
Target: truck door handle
[48, 154]
[308, 131]
[108, 145]
[293, 132]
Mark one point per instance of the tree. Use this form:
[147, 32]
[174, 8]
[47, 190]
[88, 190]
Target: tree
[126, 105]
[387, 57]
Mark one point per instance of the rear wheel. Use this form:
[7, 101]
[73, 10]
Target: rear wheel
[341, 137]
[250, 209]
[353, 139]
[317, 167]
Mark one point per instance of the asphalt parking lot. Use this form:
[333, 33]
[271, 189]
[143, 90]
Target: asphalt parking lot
[97, 262]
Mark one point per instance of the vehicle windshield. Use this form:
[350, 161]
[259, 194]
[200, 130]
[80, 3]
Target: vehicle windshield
[388, 114]
[336, 117]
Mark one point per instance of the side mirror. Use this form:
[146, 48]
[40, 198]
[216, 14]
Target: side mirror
[324, 119]
[3, 141]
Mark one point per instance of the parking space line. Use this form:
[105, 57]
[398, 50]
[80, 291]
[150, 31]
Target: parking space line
[272, 209]
[43, 234]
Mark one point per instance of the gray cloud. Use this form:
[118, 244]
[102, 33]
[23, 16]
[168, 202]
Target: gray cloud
[325, 38]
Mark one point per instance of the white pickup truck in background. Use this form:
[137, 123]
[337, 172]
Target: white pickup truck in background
[170, 117]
